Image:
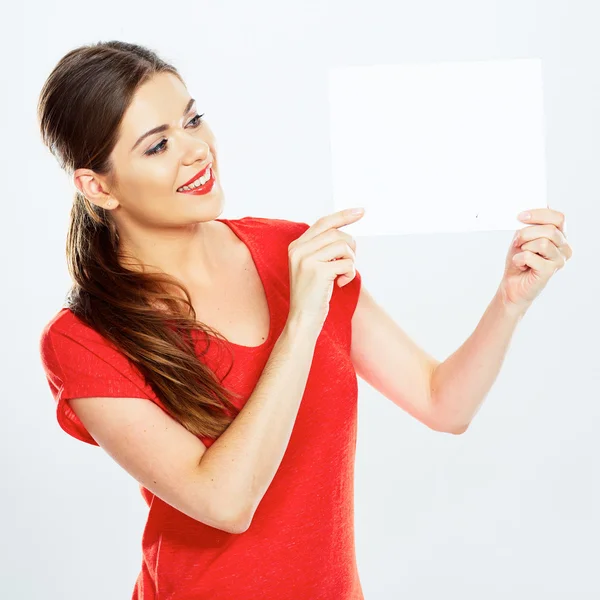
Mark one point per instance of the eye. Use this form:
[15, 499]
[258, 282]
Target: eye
[195, 122]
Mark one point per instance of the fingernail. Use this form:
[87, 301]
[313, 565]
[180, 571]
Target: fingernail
[357, 211]
[524, 215]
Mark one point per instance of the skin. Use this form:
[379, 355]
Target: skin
[158, 226]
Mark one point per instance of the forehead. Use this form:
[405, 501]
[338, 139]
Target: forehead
[158, 101]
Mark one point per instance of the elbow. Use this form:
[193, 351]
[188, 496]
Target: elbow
[443, 423]
[233, 528]
[456, 430]
[445, 428]
[236, 523]
[236, 526]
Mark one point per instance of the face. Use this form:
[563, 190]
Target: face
[148, 171]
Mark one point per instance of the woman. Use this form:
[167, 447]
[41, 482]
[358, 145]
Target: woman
[244, 458]
[250, 490]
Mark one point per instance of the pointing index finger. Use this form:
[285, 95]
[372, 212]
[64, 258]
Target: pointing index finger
[331, 221]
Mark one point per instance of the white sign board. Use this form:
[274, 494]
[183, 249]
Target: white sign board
[438, 147]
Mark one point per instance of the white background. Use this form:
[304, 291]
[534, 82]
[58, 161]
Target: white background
[507, 510]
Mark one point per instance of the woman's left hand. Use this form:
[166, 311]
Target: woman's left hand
[537, 252]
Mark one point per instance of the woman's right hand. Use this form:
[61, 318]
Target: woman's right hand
[316, 259]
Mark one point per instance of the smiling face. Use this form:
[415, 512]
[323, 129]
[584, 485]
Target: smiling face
[148, 169]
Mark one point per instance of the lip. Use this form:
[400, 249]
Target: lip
[202, 189]
[197, 175]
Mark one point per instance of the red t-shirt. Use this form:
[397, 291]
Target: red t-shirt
[300, 544]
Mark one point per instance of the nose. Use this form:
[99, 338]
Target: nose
[197, 152]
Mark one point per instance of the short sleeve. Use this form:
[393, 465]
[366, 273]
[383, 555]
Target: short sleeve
[348, 295]
[78, 366]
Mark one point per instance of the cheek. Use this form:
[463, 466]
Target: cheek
[164, 177]
[153, 179]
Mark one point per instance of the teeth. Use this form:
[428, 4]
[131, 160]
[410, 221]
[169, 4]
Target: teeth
[198, 182]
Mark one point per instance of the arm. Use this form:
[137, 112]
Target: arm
[223, 484]
[460, 383]
[246, 456]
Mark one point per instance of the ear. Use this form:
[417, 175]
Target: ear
[93, 188]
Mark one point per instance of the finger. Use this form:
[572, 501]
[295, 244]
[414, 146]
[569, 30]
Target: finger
[534, 261]
[334, 220]
[543, 216]
[544, 247]
[348, 239]
[564, 249]
[532, 232]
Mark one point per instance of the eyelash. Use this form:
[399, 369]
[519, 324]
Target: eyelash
[160, 147]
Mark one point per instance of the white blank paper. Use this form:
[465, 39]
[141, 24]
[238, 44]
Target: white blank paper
[437, 147]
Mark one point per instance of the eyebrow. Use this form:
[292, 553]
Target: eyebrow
[162, 127]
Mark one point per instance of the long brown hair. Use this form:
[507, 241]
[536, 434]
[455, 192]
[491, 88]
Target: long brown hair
[80, 108]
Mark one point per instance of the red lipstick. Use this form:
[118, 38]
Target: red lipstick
[198, 174]
[202, 189]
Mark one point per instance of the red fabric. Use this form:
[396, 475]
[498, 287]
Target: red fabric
[300, 544]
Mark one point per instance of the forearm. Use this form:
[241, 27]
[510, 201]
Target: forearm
[460, 383]
[243, 461]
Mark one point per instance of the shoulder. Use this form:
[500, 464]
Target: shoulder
[69, 347]
[65, 324]
[80, 363]
[282, 230]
